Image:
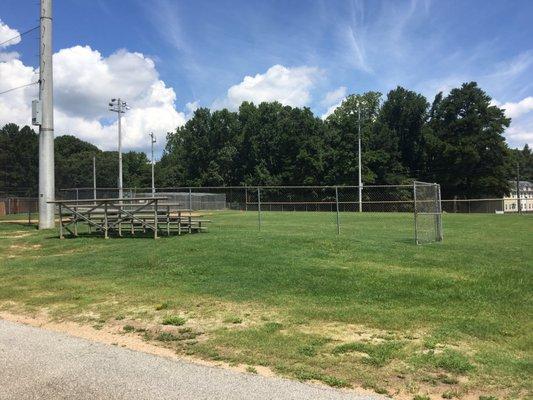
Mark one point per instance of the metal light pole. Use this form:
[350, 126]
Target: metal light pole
[152, 141]
[518, 200]
[46, 128]
[94, 177]
[359, 154]
[120, 107]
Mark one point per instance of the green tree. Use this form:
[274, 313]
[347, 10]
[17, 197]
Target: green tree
[342, 139]
[19, 160]
[137, 170]
[281, 145]
[470, 151]
[405, 113]
[524, 159]
[73, 162]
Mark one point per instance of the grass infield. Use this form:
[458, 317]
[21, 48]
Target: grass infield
[363, 308]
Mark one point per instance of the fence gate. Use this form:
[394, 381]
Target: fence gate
[427, 212]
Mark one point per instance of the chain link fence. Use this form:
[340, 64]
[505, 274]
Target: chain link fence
[18, 205]
[386, 211]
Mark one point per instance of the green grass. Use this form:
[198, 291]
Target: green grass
[358, 308]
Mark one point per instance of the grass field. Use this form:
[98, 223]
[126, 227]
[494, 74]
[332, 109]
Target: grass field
[364, 308]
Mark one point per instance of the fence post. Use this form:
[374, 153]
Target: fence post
[439, 205]
[246, 199]
[414, 209]
[77, 195]
[259, 206]
[337, 206]
[190, 199]
[360, 196]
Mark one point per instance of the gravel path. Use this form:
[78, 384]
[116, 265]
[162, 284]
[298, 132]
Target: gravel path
[40, 364]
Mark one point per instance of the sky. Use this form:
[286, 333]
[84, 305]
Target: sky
[167, 58]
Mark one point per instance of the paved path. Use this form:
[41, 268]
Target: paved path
[39, 364]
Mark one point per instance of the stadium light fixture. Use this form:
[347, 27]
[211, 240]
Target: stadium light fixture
[120, 107]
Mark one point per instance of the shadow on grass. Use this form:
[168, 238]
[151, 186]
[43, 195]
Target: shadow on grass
[33, 225]
[114, 236]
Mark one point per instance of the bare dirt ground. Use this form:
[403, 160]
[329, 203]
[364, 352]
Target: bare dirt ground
[113, 334]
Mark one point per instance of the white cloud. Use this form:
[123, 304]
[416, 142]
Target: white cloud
[331, 109]
[8, 56]
[332, 100]
[191, 108]
[84, 82]
[514, 110]
[354, 48]
[289, 86]
[334, 96]
[7, 33]
[513, 67]
[15, 105]
[518, 135]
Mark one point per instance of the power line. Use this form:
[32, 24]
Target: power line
[19, 87]
[20, 35]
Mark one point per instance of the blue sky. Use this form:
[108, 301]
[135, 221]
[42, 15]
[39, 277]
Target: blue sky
[323, 50]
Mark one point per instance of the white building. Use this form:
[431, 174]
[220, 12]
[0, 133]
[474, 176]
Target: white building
[526, 197]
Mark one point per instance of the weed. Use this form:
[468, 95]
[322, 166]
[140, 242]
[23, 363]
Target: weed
[449, 394]
[162, 306]
[449, 360]
[378, 354]
[174, 320]
[421, 397]
[430, 343]
[128, 328]
[453, 361]
[380, 390]
[273, 326]
[449, 380]
[233, 320]
[166, 337]
[251, 369]
[308, 351]
[333, 381]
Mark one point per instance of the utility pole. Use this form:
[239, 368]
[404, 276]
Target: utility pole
[46, 128]
[94, 177]
[120, 107]
[152, 141]
[518, 202]
[359, 153]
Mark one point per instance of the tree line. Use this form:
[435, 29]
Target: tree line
[19, 163]
[457, 141]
